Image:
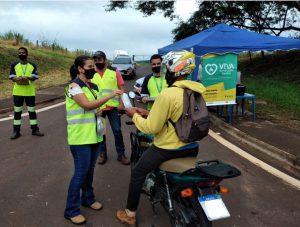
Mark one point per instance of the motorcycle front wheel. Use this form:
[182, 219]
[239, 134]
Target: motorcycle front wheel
[134, 150]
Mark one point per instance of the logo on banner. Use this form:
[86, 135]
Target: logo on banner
[211, 69]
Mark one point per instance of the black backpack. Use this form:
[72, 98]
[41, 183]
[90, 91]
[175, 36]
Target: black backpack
[193, 125]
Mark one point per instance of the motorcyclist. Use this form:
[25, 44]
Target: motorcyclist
[176, 66]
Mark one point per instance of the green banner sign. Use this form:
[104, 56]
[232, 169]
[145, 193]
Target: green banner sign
[219, 78]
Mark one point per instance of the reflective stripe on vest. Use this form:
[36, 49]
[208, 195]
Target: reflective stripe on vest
[24, 90]
[107, 92]
[107, 83]
[81, 122]
[80, 111]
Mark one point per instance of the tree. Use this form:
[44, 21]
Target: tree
[148, 8]
[269, 17]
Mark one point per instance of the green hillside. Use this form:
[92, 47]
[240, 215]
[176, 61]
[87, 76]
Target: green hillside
[275, 80]
[281, 65]
[53, 66]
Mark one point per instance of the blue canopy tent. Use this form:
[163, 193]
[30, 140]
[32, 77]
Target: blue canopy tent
[223, 38]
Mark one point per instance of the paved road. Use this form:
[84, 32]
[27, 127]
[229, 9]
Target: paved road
[35, 173]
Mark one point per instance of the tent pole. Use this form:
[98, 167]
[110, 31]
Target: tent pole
[250, 56]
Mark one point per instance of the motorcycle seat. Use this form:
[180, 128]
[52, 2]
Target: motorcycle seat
[178, 165]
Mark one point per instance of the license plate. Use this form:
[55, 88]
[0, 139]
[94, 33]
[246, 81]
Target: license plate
[213, 207]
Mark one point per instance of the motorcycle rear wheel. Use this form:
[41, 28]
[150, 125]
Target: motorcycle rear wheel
[178, 218]
[202, 220]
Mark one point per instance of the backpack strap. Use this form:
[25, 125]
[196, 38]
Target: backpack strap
[172, 122]
[185, 93]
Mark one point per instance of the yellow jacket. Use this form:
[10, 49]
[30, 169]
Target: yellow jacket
[168, 105]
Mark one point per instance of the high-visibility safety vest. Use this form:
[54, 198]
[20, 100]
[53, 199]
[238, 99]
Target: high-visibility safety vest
[155, 86]
[28, 70]
[107, 83]
[82, 126]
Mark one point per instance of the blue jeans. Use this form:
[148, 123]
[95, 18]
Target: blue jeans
[115, 123]
[85, 157]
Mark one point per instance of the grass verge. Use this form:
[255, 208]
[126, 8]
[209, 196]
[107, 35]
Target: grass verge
[276, 100]
[53, 67]
[275, 80]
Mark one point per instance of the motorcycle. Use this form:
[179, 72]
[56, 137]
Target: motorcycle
[188, 190]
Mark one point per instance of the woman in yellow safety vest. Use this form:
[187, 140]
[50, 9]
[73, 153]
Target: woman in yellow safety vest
[81, 104]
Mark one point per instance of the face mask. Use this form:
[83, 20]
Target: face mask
[170, 78]
[156, 69]
[100, 66]
[89, 73]
[22, 57]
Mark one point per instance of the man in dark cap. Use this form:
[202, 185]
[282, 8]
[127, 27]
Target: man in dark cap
[108, 78]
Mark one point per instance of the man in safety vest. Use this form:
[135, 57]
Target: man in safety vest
[108, 78]
[153, 83]
[23, 74]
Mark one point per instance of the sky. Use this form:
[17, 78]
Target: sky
[86, 25]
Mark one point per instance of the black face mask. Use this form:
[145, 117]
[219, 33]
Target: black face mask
[22, 57]
[156, 69]
[170, 78]
[89, 73]
[100, 66]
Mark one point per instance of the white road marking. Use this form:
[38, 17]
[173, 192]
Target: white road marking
[288, 179]
[38, 111]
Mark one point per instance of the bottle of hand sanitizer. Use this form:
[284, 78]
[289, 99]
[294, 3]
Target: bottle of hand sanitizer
[126, 100]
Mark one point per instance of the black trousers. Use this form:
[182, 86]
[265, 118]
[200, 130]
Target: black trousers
[150, 160]
[18, 104]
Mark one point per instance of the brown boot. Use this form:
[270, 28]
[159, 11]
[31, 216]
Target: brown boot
[125, 219]
[96, 206]
[102, 159]
[123, 160]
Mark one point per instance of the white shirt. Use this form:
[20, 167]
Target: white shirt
[75, 90]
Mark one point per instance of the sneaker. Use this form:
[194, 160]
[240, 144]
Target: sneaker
[15, 135]
[37, 132]
[102, 159]
[95, 206]
[123, 160]
[125, 219]
[77, 220]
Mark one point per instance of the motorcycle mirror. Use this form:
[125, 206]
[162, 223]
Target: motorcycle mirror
[131, 94]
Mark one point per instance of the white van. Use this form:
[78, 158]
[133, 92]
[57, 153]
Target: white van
[125, 65]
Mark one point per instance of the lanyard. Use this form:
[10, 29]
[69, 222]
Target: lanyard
[161, 83]
[24, 71]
